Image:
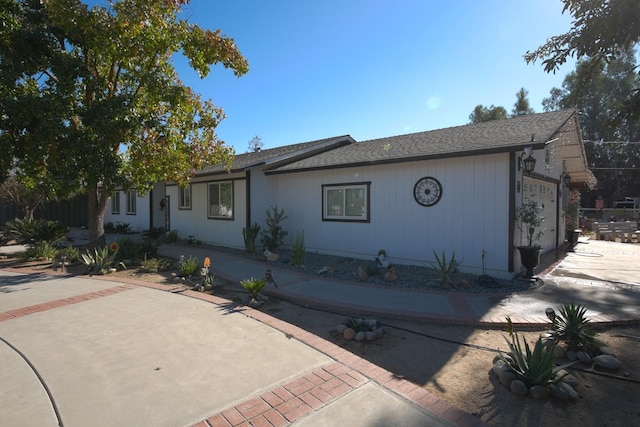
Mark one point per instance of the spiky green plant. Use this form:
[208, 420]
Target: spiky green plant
[254, 286]
[41, 251]
[249, 234]
[531, 367]
[571, 326]
[36, 230]
[188, 266]
[70, 253]
[100, 260]
[444, 266]
[297, 249]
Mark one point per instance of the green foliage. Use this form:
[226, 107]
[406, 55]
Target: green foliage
[171, 237]
[188, 266]
[191, 240]
[154, 265]
[482, 114]
[42, 250]
[522, 106]
[153, 233]
[100, 260]
[254, 286]
[70, 253]
[529, 217]
[149, 248]
[531, 367]
[80, 83]
[446, 267]
[109, 228]
[122, 228]
[273, 237]
[571, 326]
[36, 230]
[250, 234]
[129, 250]
[370, 268]
[298, 249]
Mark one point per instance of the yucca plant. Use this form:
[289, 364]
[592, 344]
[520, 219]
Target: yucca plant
[446, 267]
[297, 249]
[129, 250]
[254, 286]
[571, 326]
[36, 230]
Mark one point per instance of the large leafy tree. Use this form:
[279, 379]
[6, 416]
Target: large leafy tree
[90, 96]
[610, 140]
[601, 31]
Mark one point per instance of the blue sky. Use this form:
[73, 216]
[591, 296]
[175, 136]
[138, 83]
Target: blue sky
[372, 68]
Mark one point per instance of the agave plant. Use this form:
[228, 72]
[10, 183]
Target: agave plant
[446, 267]
[571, 326]
[531, 367]
[100, 260]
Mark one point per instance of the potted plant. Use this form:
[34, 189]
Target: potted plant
[572, 226]
[529, 218]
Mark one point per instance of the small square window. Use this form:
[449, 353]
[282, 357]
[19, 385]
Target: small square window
[346, 202]
[220, 200]
[184, 197]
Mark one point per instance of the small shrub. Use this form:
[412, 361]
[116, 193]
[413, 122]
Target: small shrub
[41, 251]
[370, 268]
[109, 228]
[188, 266]
[254, 286]
[171, 236]
[190, 240]
[149, 248]
[273, 238]
[122, 228]
[446, 268]
[572, 327]
[298, 249]
[129, 250]
[250, 234]
[70, 253]
[154, 265]
[36, 230]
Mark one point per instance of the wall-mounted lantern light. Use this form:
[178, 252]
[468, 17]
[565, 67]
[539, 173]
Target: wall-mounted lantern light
[529, 163]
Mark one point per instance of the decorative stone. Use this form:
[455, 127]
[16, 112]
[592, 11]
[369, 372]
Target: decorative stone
[506, 378]
[349, 334]
[584, 357]
[571, 355]
[360, 336]
[341, 328]
[361, 273]
[391, 275]
[369, 336]
[547, 341]
[559, 352]
[254, 303]
[500, 366]
[571, 393]
[270, 256]
[539, 392]
[371, 324]
[607, 362]
[608, 351]
[112, 270]
[558, 392]
[518, 388]
[571, 380]
[379, 332]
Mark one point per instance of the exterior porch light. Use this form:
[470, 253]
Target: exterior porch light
[529, 163]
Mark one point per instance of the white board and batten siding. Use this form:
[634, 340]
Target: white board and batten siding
[195, 222]
[138, 220]
[471, 217]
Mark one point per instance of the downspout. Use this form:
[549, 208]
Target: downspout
[248, 199]
[512, 209]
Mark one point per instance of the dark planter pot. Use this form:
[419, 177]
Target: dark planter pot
[530, 258]
[572, 237]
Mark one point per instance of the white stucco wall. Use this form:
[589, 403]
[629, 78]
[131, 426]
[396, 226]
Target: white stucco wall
[472, 215]
[139, 221]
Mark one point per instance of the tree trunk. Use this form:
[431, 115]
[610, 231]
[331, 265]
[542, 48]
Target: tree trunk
[97, 209]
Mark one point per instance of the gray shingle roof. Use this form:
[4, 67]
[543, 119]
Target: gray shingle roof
[494, 136]
[279, 155]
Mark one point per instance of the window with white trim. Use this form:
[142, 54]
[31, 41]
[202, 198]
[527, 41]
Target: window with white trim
[115, 203]
[184, 197]
[131, 202]
[220, 200]
[346, 202]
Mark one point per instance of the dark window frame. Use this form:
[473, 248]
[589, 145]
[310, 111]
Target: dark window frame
[341, 215]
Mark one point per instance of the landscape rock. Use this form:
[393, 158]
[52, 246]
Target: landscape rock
[506, 378]
[518, 388]
[571, 393]
[608, 351]
[559, 352]
[361, 273]
[341, 328]
[607, 362]
[571, 355]
[360, 336]
[584, 357]
[500, 366]
[378, 332]
[369, 335]
[559, 392]
[349, 334]
[391, 275]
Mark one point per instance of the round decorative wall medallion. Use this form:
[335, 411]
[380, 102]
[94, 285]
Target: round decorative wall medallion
[427, 191]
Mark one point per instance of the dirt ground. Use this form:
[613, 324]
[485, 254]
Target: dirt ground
[454, 362]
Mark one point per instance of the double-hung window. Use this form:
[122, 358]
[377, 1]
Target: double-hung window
[115, 203]
[184, 197]
[346, 202]
[220, 200]
[131, 202]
